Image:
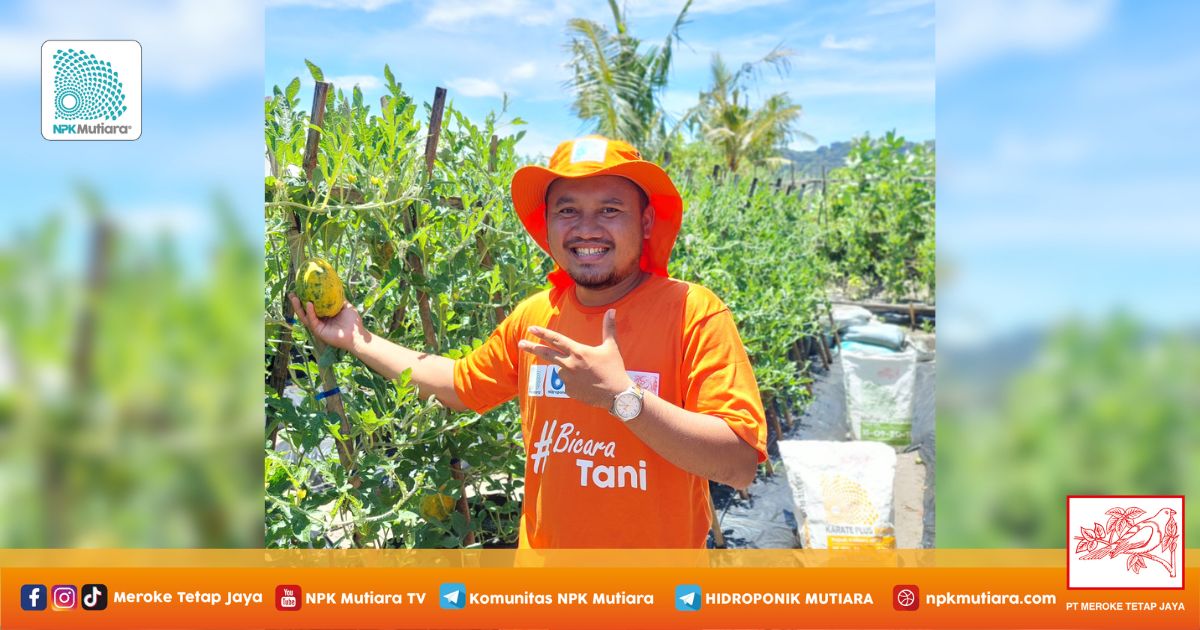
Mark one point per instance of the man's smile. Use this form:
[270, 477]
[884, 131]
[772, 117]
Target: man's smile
[589, 253]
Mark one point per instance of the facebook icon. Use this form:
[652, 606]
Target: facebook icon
[33, 597]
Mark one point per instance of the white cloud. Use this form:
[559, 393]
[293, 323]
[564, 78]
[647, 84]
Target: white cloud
[1016, 156]
[361, 5]
[659, 8]
[887, 7]
[975, 31]
[364, 82]
[188, 45]
[454, 13]
[473, 87]
[526, 70]
[859, 44]
[865, 85]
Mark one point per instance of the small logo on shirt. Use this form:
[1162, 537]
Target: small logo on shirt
[545, 381]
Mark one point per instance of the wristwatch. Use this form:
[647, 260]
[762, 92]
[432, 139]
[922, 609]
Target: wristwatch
[627, 405]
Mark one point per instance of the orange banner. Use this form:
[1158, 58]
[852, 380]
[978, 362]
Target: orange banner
[471, 589]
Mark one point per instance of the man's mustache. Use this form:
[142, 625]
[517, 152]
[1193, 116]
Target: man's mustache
[578, 242]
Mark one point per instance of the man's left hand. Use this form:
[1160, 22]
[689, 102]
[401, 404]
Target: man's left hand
[592, 375]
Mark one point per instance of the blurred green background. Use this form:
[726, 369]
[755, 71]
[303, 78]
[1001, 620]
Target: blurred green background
[130, 277]
[1068, 250]
[129, 393]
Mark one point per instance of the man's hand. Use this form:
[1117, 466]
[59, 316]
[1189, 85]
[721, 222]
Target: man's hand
[592, 375]
[344, 330]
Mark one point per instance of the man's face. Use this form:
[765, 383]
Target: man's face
[595, 227]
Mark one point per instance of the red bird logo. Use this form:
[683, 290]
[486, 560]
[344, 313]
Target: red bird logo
[1141, 540]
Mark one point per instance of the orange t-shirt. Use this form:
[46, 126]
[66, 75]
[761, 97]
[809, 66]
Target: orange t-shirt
[589, 481]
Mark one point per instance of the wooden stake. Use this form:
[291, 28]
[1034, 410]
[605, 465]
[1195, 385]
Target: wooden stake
[885, 307]
[787, 412]
[456, 472]
[485, 255]
[333, 402]
[283, 354]
[718, 535]
[435, 129]
[414, 259]
[412, 220]
[773, 421]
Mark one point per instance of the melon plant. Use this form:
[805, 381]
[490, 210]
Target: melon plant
[432, 261]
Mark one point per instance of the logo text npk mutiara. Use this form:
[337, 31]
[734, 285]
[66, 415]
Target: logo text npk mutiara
[98, 128]
[87, 89]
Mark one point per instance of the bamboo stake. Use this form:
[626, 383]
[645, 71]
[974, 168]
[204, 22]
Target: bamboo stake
[773, 421]
[718, 535]
[333, 402]
[426, 313]
[412, 220]
[485, 255]
[787, 412]
[884, 307]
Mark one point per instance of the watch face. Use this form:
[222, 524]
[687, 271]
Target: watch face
[627, 405]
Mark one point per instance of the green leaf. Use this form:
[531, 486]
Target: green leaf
[317, 75]
[293, 88]
[328, 357]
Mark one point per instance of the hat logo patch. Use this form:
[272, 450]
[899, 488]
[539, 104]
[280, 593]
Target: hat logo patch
[589, 150]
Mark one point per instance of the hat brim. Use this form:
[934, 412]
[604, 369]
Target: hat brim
[530, 183]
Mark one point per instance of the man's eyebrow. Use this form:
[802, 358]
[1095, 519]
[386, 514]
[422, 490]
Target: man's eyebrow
[565, 199]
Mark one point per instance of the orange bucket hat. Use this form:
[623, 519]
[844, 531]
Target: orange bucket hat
[588, 157]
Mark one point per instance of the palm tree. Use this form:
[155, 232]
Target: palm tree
[617, 81]
[743, 134]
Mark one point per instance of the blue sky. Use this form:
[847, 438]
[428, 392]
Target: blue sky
[202, 101]
[860, 66]
[1067, 163]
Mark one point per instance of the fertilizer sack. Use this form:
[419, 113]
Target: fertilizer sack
[843, 493]
[879, 395]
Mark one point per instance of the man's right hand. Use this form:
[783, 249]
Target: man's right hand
[432, 374]
[344, 330]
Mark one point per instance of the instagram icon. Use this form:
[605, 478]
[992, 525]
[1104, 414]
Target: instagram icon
[62, 597]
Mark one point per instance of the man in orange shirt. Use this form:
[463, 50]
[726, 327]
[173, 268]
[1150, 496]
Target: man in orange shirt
[634, 388]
